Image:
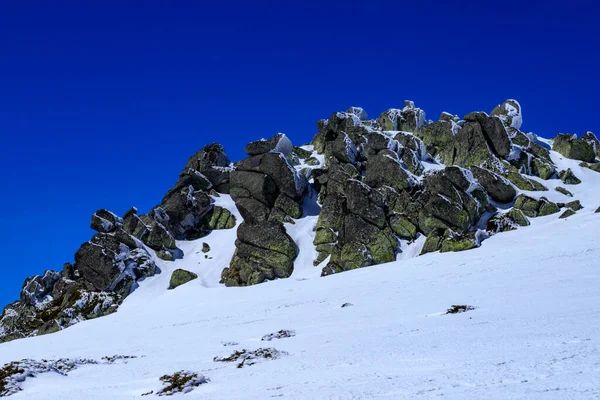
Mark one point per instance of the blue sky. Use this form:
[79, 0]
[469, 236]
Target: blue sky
[101, 106]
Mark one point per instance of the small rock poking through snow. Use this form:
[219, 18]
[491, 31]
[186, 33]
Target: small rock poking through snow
[181, 382]
[251, 357]
[282, 334]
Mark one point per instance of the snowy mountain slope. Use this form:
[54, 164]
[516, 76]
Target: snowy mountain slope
[533, 335]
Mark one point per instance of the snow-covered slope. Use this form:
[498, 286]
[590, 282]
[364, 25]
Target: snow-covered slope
[533, 335]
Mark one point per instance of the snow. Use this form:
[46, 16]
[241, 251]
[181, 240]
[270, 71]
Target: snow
[514, 112]
[284, 146]
[533, 334]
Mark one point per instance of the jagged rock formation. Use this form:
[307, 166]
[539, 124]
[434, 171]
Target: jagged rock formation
[381, 184]
[267, 191]
[583, 149]
[108, 267]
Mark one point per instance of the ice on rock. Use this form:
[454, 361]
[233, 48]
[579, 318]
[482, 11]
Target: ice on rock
[284, 146]
[359, 112]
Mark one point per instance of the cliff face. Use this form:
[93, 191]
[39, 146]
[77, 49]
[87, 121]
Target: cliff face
[381, 185]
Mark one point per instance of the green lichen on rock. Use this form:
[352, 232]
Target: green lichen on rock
[180, 277]
[219, 218]
[542, 169]
[205, 247]
[571, 147]
[402, 227]
[432, 244]
[458, 243]
[528, 205]
[165, 255]
[574, 205]
[382, 247]
[594, 167]
[568, 177]
[353, 255]
[547, 207]
[564, 191]
[523, 183]
[568, 212]
[504, 222]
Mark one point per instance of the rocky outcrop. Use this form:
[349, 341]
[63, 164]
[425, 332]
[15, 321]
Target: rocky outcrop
[106, 270]
[213, 164]
[576, 149]
[593, 141]
[264, 251]
[535, 208]
[267, 191]
[509, 113]
[382, 184]
[110, 266]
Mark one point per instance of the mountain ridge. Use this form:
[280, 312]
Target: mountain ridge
[376, 189]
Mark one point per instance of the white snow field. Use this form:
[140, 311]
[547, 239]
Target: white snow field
[535, 332]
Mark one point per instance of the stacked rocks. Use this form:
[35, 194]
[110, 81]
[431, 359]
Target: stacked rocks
[267, 191]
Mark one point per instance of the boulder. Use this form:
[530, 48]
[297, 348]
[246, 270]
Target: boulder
[287, 179]
[503, 222]
[219, 218]
[567, 213]
[264, 251]
[105, 264]
[534, 208]
[509, 113]
[213, 164]
[439, 139]
[105, 221]
[494, 132]
[568, 177]
[180, 277]
[386, 170]
[496, 186]
[571, 147]
[593, 141]
[564, 191]
[279, 143]
[359, 112]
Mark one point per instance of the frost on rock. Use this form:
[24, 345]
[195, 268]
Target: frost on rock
[181, 382]
[14, 374]
[282, 334]
[359, 112]
[510, 113]
[284, 146]
[250, 357]
[348, 115]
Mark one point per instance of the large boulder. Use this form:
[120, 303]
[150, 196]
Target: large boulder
[495, 185]
[213, 164]
[277, 144]
[386, 169]
[408, 119]
[105, 264]
[535, 208]
[494, 132]
[571, 147]
[593, 141]
[264, 251]
[105, 221]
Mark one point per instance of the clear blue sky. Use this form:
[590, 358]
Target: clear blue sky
[102, 106]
